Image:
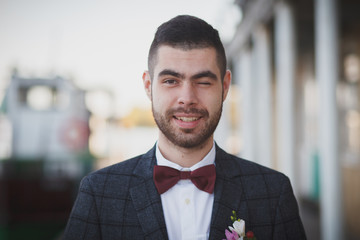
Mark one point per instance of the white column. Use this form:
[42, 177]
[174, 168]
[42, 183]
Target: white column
[327, 74]
[246, 85]
[262, 82]
[285, 75]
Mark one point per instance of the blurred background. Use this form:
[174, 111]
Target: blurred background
[72, 100]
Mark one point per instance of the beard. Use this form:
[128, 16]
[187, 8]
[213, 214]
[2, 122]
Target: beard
[186, 138]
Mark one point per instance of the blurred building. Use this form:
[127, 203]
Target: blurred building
[296, 67]
[44, 135]
[48, 117]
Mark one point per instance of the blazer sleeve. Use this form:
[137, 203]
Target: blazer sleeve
[84, 220]
[288, 224]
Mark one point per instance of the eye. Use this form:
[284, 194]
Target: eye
[170, 81]
[204, 83]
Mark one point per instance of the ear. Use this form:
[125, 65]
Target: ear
[226, 83]
[147, 83]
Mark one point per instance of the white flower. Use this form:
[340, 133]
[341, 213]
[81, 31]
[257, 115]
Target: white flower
[239, 227]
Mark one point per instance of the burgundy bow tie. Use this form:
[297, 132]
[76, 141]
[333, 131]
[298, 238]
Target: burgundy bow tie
[203, 178]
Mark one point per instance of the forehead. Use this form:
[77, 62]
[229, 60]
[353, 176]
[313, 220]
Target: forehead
[196, 59]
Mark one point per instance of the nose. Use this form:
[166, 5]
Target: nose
[187, 94]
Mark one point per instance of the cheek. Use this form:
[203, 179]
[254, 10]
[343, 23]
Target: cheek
[212, 98]
[214, 103]
[162, 98]
[160, 102]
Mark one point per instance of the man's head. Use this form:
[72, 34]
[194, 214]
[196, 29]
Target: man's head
[187, 32]
[187, 81]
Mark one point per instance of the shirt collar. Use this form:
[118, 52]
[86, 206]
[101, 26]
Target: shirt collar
[207, 160]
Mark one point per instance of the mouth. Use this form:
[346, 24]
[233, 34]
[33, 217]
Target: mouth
[187, 119]
[187, 122]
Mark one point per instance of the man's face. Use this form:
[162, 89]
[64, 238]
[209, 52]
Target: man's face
[187, 94]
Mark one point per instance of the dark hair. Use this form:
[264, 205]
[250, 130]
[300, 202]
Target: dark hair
[187, 32]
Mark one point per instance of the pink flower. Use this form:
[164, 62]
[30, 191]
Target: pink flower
[231, 235]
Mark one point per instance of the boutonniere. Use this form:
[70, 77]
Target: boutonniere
[237, 230]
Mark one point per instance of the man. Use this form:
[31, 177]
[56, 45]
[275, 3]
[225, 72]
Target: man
[187, 83]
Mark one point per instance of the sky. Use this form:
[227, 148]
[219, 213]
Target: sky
[100, 45]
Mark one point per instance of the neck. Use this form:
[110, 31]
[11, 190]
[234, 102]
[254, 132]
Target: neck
[185, 157]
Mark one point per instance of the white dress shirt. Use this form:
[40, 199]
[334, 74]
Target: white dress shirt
[187, 210]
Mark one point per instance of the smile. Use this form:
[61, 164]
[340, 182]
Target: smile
[187, 122]
[188, 119]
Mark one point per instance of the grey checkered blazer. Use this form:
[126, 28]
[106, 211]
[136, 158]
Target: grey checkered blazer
[121, 202]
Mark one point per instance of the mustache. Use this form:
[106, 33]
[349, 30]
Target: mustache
[173, 111]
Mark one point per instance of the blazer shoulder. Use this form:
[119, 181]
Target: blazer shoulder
[127, 172]
[123, 167]
[127, 166]
[236, 167]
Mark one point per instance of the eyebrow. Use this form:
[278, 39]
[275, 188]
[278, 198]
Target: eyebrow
[208, 74]
[205, 74]
[167, 72]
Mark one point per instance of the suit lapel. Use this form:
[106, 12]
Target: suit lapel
[227, 195]
[146, 199]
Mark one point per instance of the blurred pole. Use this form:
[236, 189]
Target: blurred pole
[262, 74]
[247, 114]
[327, 74]
[285, 72]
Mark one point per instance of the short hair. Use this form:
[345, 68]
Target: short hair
[187, 32]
